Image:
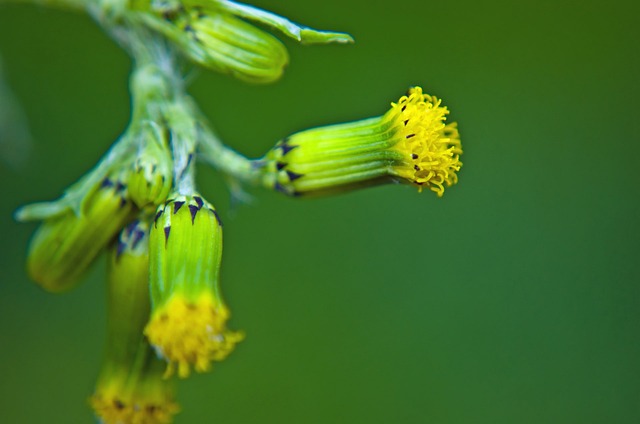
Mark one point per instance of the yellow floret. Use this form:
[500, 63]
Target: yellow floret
[113, 405]
[432, 148]
[191, 333]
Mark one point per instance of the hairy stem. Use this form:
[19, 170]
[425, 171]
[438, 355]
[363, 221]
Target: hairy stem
[226, 160]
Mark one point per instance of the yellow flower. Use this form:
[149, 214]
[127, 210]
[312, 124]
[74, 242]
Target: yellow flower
[119, 401]
[131, 388]
[192, 333]
[431, 148]
[411, 143]
[188, 322]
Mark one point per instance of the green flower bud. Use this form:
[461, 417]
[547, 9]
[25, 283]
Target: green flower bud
[217, 34]
[63, 247]
[151, 179]
[410, 143]
[221, 42]
[188, 319]
[130, 387]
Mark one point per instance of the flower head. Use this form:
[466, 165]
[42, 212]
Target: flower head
[192, 332]
[411, 143]
[64, 246]
[130, 388]
[431, 148]
[188, 322]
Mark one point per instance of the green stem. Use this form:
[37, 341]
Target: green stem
[226, 160]
[300, 33]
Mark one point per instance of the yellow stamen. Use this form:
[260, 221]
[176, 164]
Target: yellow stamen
[191, 333]
[431, 148]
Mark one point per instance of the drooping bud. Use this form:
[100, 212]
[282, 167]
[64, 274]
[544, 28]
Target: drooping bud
[63, 247]
[188, 319]
[410, 143]
[131, 388]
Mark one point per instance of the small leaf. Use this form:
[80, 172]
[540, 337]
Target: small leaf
[299, 33]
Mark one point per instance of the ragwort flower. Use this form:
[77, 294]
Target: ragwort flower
[411, 143]
[188, 320]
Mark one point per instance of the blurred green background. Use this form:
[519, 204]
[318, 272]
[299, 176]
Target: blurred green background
[514, 299]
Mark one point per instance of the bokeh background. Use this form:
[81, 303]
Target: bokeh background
[514, 299]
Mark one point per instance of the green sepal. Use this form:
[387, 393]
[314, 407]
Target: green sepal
[300, 33]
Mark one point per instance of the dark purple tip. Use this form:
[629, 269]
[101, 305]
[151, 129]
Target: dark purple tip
[199, 201]
[106, 183]
[120, 248]
[194, 211]
[215, 213]
[286, 148]
[176, 206]
[137, 236]
[167, 230]
[158, 215]
[293, 175]
[131, 227]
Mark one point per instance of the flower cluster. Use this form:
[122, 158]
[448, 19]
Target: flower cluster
[140, 204]
[165, 306]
